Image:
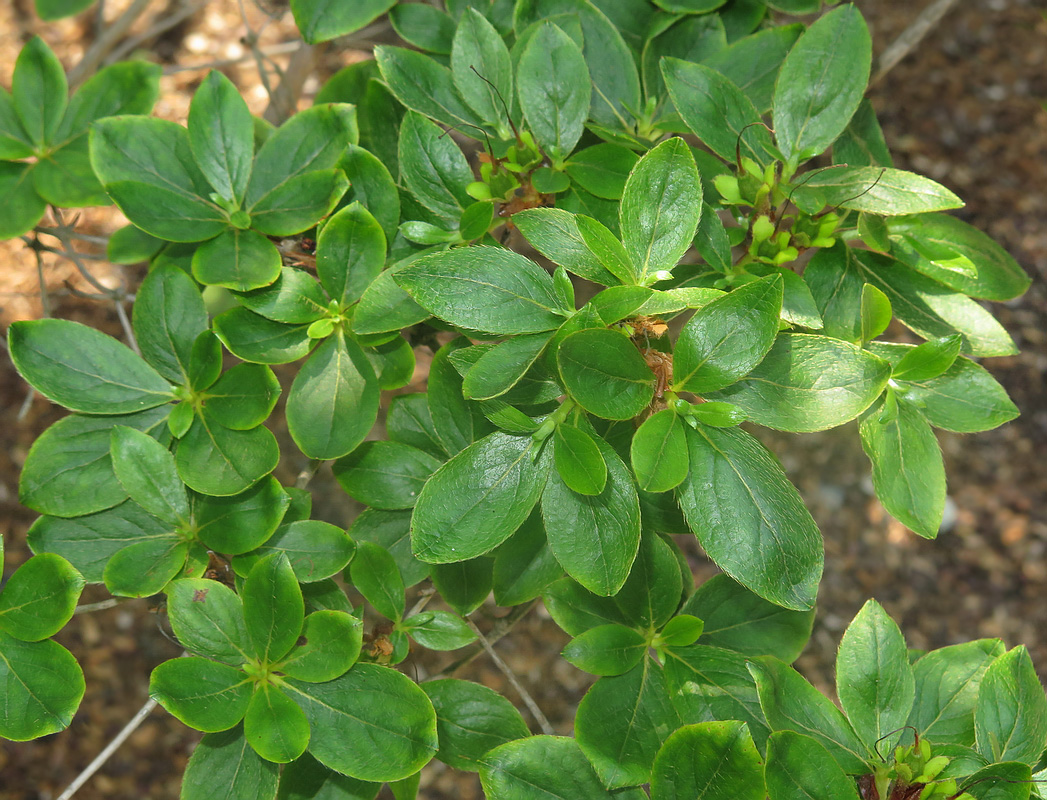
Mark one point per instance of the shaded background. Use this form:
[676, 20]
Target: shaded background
[965, 108]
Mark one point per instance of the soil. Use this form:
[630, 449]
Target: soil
[966, 108]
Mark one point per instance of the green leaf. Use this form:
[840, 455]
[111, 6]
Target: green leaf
[83, 369]
[433, 168]
[809, 383]
[477, 45]
[221, 135]
[653, 591]
[471, 720]
[601, 169]
[372, 723]
[928, 360]
[203, 694]
[524, 565]
[39, 597]
[242, 522]
[615, 303]
[690, 38]
[238, 260]
[876, 313]
[147, 167]
[579, 461]
[661, 207]
[713, 760]
[439, 630]
[39, 91]
[386, 475]
[68, 471]
[319, 20]
[243, 397]
[873, 678]
[752, 63]
[273, 608]
[425, 86]
[862, 142]
[333, 400]
[821, 83]
[749, 518]
[606, 650]
[717, 111]
[372, 185]
[622, 722]
[127, 87]
[594, 537]
[205, 361]
[410, 422]
[168, 315]
[555, 234]
[306, 778]
[1006, 781]
[800, 768]
[226, 764]
[20, 204]
[455, 422]
[659, 452]
[275, 726]
[1010, 719]
[503, 366]
[876, 190]
[484, 288]
[216, 460]
[329, 645]
[477, 499]
[375, 575]
[790, 703]
[146, 469]
[680, 631]
[464, 585]
[727, 338]
[552, 81]
[145, 568]
[540, 768]
[392, 530]
[575, 609]
[605, 373]
[41, 686]
[350, 253]
[423, 26]
[254, 338]
[208, 619]
[315, 549]
[14, 141]
[739, 620]
[64, 177]
[908, 473]
[947, 683]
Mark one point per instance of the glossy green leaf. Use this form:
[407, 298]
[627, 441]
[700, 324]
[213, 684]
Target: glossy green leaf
[501, 368]
[689, 38]
[477, 499]
[594, 536]
[739, 620]
[877, 190]
[216, 460]
[146, 469]
[800, 768]
[540, 768]
[873, 678]
[425, 86]
[319, 20]
[168, 315]
[947, 683]
[375, 575]
[255, 338]
[83, 369]
[243, 397]
[659, 452]
[433, 168]
[727, 338]
[386, 475]
[579, 462]
[928, 360]
[373, 723]
[329, 645]
[623, 721]
[661, 207]
[602, 169]
[524, 564]
[15, 143]
[752, 62]
[680, 631]
[862, 143]
[821, 83]
[238, 260]
[205, 361]
[203, 694]
[477, 45]
[275, 726]
[64, 177]
[711, 760]
[39, 597]
[315, 549]
[225, 763]
[21, 205]
[410, 422]
[471, 720]
[241, 522]
[749, 518]
[606, 650]
[273, 607]
[555, 234]
[333, 400]
[39, 91]
[1010, 719]
[350, 253]
[654, 588]
[439, 630]
[299, 202]
[605, 373]
[809, 383]
[392, 530]
[221, 135]
[875, 313]
[1006, 781]
[575, 609]
[144, 568]
[41, 686]
[208, 619]
[464, 585]
[423, 26]
[127, 87]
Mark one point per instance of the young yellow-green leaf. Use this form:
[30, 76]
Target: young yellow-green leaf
[477, 499]
[908, 472]
[208, 619]
[727, 338]
[606, 650]
[595, 536]
[216, 460]
[146, 469]
[821, 83]
[242, 522]
[478, 46]
[579, 462]
[168, 316]
[659, 452]
[928, 360]
[375, 575]
[661, 207]
[20, 204]
[471, 720]
[799, 767]
[386, 475]
[316, 550]
[39, 91]
[243, 397]
[221, 134]
[749, 518]
[464, 585]
[503, 366]
[875, 313]
[439, 630]
[319, 21]
[552, 81]
[333, 400]
[713, 760]
[1010, 720]
[809, 383]
[718, 414]
[39, 597]
[541, 768]
[605, 373]
[680, 631]
[329, 645]
[145, 568]
[273, 607]
[484, 288]
[41, 686]
[224, 763]
[372, 723]
[275, 726]
[238, 260]
[873, 678]
[877, 190]
[203, 694]
[83, 369]
[555, 234]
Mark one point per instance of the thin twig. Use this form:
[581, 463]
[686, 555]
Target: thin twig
[307, 474]
[284, 99]
[273, 50]
[536, 712]
[500, 629]
[45, 301]
[910, 37]
[83, 237]
[110, 748]
[101, 605]
[125, 323]
[156, 29]
[112, 33]
[427, 594]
